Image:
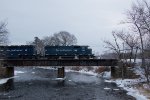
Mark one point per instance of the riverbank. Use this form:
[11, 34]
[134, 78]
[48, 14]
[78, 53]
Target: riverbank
[132, 87]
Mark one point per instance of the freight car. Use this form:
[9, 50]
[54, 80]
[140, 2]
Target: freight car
[68, 52]
[17, 52]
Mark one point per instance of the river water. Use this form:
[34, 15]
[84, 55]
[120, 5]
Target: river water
[41, 84]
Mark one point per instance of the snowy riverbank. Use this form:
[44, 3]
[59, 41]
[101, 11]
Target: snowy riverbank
[127, 84]
[4, 80]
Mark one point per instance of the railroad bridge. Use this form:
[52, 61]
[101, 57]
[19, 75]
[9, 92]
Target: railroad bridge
[9, 64]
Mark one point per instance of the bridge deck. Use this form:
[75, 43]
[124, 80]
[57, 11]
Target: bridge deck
[60, 62]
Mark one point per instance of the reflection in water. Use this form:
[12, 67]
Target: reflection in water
[61, 83]
[9, 85]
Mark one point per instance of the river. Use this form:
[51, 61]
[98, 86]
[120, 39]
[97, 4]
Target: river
[41, 84]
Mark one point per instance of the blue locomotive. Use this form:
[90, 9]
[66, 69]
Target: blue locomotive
[50, 52]
[70, 52]
[16, 52]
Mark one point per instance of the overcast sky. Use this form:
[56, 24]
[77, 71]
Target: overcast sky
[91, 21]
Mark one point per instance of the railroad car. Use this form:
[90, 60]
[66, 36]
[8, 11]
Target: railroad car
[50, 52]
[17, 52]
[70, 52]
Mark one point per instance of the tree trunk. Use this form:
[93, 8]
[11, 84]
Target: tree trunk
[131, 56]
[135, 55]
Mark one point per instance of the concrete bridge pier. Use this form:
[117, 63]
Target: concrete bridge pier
[113, 71]
[9, 71]
[61, 72]
[6, 72]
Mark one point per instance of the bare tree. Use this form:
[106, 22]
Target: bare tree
[48, 40]
[139, 19]
[62, 38]
[3, 33]
[39, 45]
[133, 17]
[65, 38]
[147, 43]
[114, 46]
[131, 41]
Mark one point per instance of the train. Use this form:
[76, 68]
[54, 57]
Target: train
[16, 52]
[49, 52]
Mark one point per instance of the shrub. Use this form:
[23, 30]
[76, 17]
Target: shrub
[100, 69]
[76, 68]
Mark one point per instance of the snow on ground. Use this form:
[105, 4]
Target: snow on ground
[59, 79]
[82, 71]
[129, 84]
[106, 88]
[139, 71]
[18, 72]
[53, 68]
[107, 75]
[126, 85]
[4, 80]
[116, 89]
[137, 60]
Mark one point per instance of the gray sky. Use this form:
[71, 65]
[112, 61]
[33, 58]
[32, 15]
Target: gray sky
[91, 21]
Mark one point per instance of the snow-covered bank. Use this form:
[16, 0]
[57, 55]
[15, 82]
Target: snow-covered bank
[18, 72]
[83, 71]
[126, 84]
[53, 68]
[131, 85]
[106, 75]
[4, 80]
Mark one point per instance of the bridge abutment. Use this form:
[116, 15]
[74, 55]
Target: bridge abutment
[6, 72]
[113, 71]
[9, 71]
[61, 72]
